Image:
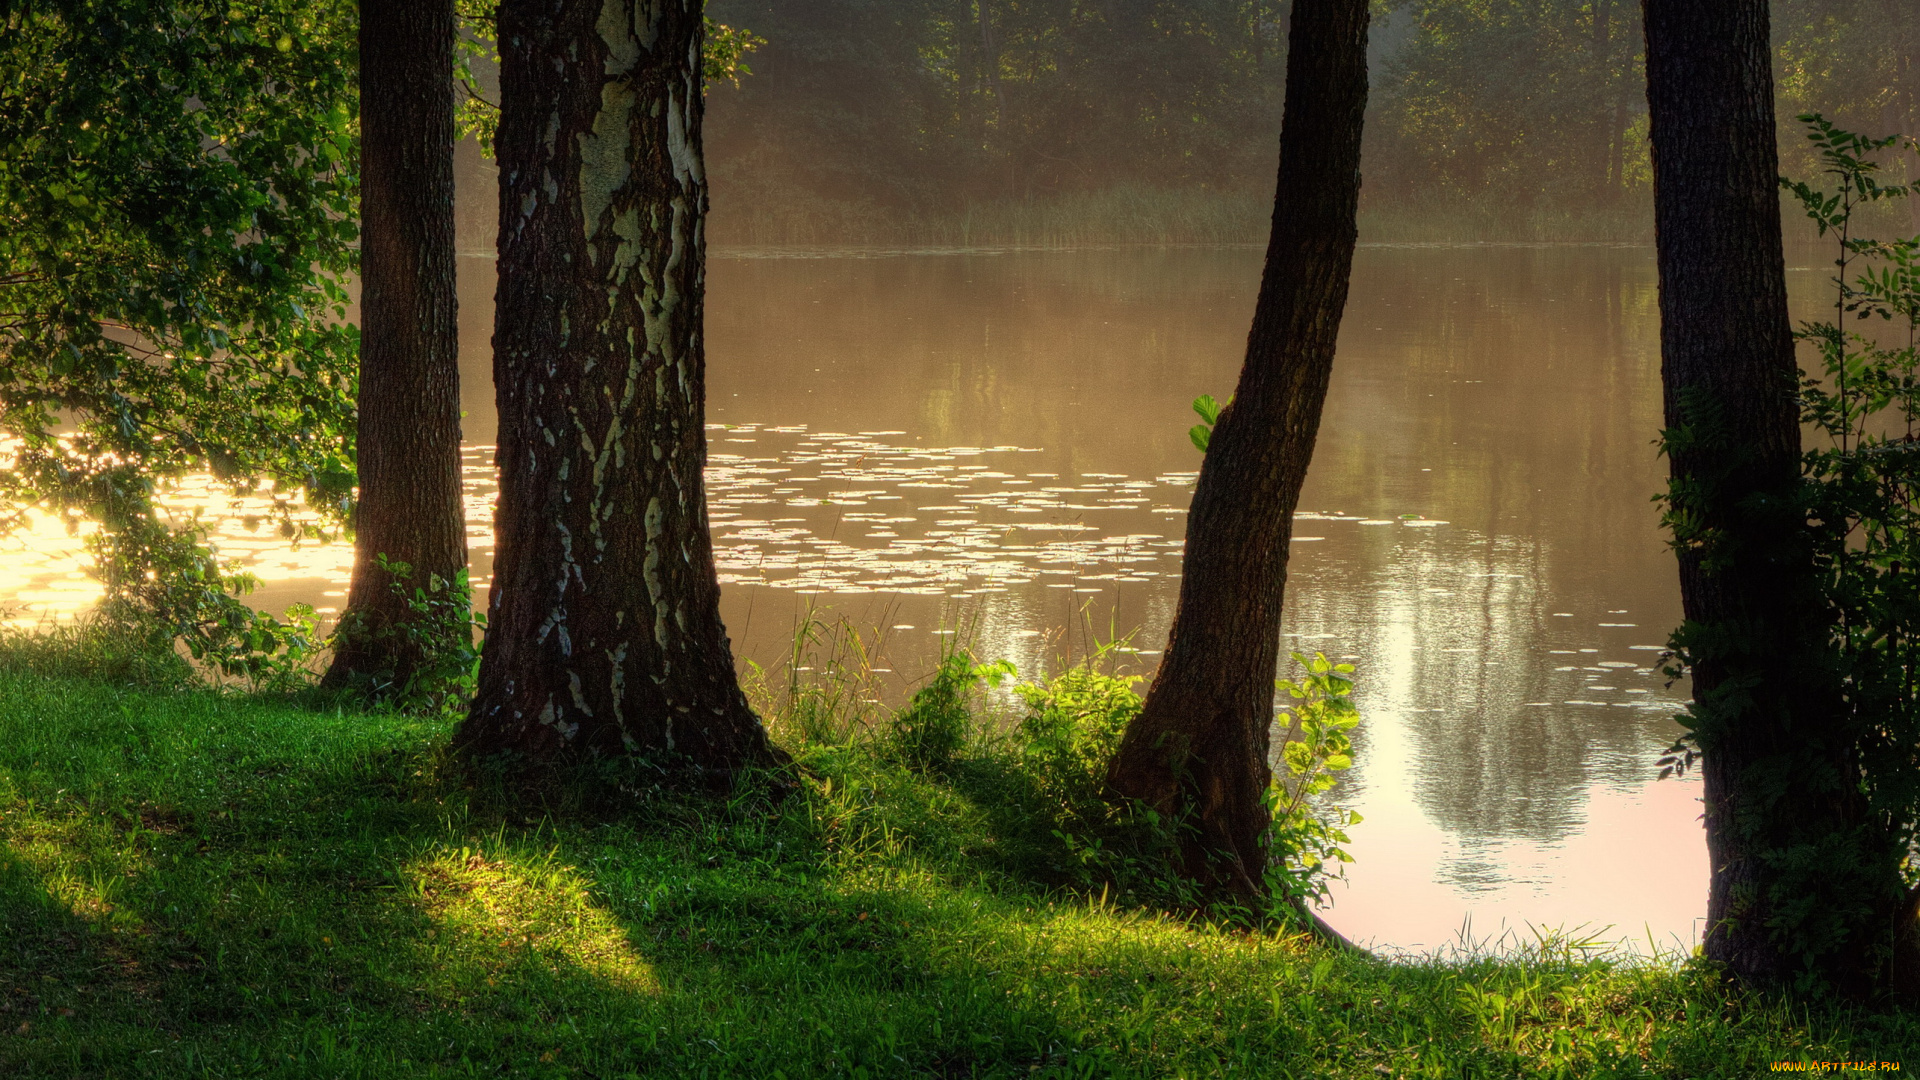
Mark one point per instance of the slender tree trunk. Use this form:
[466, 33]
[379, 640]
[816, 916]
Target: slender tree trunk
[1787, 835]
[1617, 147]
[1198, 751]
[990, 56]
[1619, 63]
[1906, 921]
[1603, 60]
[1907, 84]
[409, 424]
[605, 633]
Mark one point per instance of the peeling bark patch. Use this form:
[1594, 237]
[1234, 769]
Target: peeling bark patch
[579, 698]
[686, 163]
[623, 39]
[605, 161]
[617, 692]
[655, 524]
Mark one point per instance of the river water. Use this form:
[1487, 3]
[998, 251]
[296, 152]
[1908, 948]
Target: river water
[1006, 434]
[996, 443]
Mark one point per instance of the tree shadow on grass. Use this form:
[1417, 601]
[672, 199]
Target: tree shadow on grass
[356, 914]
[242, 892]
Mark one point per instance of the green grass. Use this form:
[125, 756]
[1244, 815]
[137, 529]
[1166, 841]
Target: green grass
[205, 885]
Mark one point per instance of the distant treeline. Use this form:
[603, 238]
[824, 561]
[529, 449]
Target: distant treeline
[1072, 121]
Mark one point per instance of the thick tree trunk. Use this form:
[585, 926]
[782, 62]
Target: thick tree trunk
[1787, 834]
[409, 423]
[1198, 751]
[605, 633]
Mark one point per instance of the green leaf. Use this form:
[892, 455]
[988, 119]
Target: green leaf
[1208, 408]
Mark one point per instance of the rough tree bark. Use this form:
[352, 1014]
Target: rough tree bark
[1786, 824]
[605, 633]
[1198, 750]
[409, 424]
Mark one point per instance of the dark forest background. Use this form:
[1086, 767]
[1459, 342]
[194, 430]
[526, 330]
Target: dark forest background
[1083, 120]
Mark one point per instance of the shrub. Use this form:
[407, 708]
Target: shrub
[435, 649]
[1073, 725]
[1303, 841]
[937, 723]
[164, 584]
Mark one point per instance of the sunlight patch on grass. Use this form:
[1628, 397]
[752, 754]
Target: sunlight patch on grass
[84, 863]
[512, 914]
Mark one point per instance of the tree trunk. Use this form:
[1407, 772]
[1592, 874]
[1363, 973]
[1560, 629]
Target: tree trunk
[1907, 84]
[1787, 834]
[1198, 751]
[409, 409]
[605, 633]
[1259, 36]
[1617, 148]
[1603, 61]
[991, 58]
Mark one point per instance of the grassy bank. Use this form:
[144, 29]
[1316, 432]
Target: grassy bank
[204, 885]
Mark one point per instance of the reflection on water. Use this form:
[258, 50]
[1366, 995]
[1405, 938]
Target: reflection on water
[920, 439]
[1478, 535]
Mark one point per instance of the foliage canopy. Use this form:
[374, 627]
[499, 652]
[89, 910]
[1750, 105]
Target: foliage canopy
[177, 189]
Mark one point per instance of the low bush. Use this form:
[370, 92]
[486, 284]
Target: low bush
[1041, 786]
[939, 722]
[433, 654]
